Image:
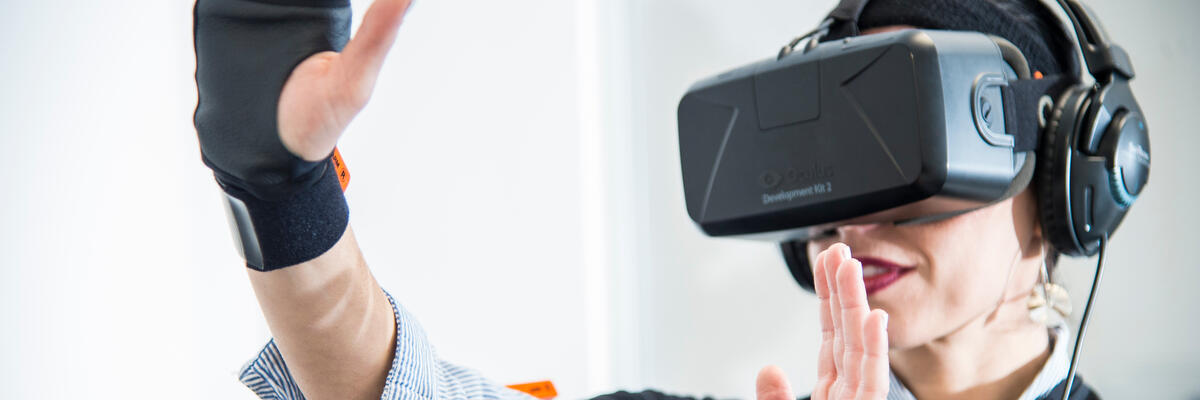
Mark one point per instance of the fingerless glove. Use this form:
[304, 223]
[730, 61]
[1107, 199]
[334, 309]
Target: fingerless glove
[285, 210]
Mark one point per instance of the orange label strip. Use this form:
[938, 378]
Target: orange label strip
[339, 166]
[543, 390]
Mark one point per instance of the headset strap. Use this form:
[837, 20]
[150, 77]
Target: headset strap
[1022, 107]
[845, 18]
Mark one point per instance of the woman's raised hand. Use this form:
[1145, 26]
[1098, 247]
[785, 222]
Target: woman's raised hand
[853, 362]
[328, 89]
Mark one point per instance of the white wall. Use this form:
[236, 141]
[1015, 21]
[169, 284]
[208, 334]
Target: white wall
[119, 277]
[714, 311]
[517, 167]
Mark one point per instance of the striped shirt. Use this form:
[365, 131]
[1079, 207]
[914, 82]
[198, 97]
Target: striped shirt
[418, 374]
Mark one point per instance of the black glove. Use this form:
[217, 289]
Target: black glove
[286, 210]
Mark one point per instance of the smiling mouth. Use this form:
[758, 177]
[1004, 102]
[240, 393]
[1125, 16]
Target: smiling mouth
[879, 273]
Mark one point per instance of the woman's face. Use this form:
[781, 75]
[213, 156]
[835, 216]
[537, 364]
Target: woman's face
[936, 277]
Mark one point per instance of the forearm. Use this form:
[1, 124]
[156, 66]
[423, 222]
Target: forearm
[331, 321]
[272, 74]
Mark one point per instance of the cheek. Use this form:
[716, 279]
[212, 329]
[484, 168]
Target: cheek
[967, 264]
[961, 276]
[937, 304]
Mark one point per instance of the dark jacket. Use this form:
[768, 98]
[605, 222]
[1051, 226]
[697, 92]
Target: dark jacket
[1079, 391]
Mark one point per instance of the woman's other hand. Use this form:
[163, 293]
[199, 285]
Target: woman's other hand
[853, 361]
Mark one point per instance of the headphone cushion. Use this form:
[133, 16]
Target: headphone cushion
[795, 254]
[1053, 170]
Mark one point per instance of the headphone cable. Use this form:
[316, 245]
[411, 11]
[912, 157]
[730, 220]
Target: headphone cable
[1083, 322]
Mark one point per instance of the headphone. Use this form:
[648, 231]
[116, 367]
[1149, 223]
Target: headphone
[1093, 159]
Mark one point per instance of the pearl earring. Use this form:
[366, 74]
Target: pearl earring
[1048, 296]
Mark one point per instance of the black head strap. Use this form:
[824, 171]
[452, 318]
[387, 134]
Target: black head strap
[1022, 108]
[1102, 57]
[845, 18]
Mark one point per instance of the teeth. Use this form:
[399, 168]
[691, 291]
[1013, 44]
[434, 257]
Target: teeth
[871, 270]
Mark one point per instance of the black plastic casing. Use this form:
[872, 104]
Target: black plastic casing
[886, 127]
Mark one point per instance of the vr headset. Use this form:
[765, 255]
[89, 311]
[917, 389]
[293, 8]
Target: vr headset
[909, 127]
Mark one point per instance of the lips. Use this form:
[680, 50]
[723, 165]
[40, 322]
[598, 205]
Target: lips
[879, 273]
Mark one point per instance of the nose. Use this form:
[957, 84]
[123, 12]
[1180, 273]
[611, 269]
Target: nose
[856, 230]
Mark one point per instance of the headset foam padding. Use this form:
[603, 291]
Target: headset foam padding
[795, 254]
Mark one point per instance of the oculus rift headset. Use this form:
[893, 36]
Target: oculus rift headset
[909, 127]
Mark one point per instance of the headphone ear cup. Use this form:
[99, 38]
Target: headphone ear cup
[1053, 157]
[795, 254]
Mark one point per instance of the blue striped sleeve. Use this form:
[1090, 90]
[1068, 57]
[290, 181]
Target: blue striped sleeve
[416, 374]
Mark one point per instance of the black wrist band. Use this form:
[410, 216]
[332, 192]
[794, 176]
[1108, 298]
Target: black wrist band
[277, 234]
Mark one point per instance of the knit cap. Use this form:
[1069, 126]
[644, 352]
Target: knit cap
[1028, 24]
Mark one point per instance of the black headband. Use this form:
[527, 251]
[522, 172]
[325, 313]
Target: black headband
[1028, 24]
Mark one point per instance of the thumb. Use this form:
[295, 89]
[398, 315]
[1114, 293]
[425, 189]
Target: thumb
[772, 384]
[363, 56]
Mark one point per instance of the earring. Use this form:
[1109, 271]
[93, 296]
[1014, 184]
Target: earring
[1048, 296]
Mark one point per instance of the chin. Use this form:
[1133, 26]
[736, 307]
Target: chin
[901, 341]
[906, 315]
[903, 335]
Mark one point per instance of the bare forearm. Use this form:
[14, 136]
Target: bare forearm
[278, 83]
[331, 321]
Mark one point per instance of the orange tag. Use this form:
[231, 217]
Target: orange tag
[339, 166]
[542, 390]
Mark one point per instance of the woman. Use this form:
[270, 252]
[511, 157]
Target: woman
[954, 324]
[958, 322]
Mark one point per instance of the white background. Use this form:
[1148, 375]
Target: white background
[515, 184]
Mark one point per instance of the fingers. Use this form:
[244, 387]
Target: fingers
[772, 384]
[873, 384]
[836, 253]
[852, 296]
[363, 56]
[857, 349]
[826, 371]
